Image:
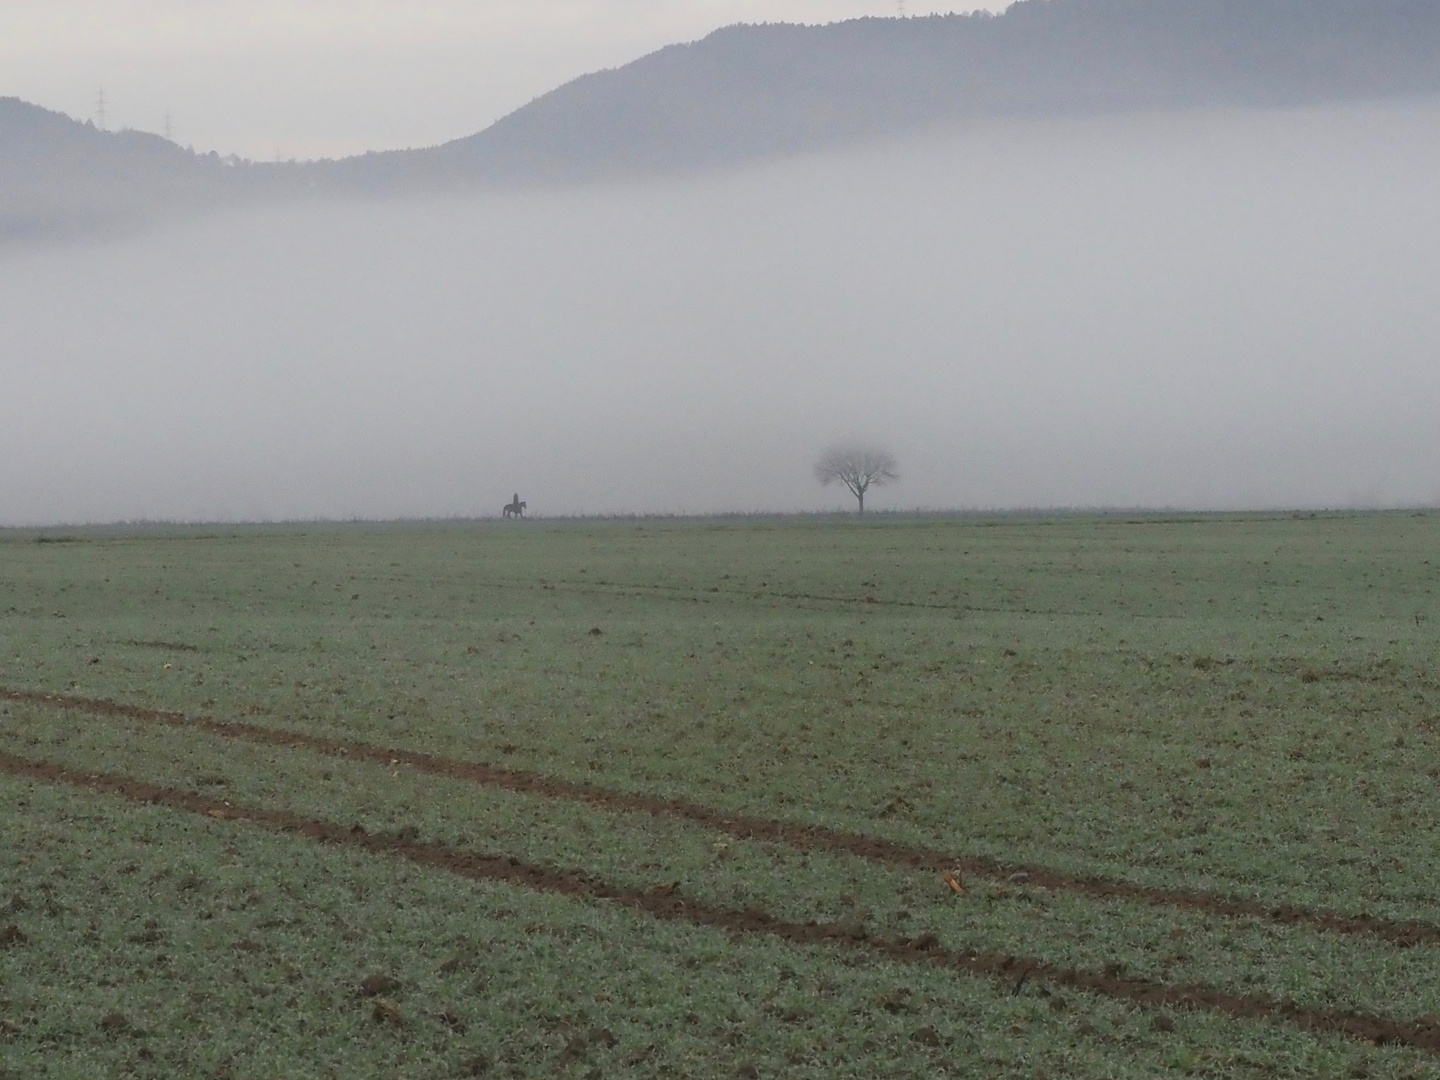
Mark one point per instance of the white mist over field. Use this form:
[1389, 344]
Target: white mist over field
[1206, 310]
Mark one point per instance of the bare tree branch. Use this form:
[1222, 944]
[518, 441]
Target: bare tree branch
[859, 468]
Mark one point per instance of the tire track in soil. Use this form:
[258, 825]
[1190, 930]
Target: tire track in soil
[813, 838]
[693, 596]
[1005, 968]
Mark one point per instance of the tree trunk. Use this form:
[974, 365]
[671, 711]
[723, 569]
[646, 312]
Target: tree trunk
[861, 496]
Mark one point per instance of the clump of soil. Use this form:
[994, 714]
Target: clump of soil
[117, 1023]
[377, 984]
[579, 1044]
[387, 1012]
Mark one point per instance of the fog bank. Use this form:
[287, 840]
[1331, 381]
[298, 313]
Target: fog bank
[1208, 310]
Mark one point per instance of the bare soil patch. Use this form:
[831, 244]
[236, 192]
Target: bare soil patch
[172, 646]
[800, 837]
[1016, 972]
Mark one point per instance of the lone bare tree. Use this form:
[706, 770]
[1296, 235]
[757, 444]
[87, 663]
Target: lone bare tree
[859, 468]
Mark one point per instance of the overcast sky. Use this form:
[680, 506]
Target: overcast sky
[332, 77]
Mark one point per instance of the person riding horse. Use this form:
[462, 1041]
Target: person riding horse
[515, 506]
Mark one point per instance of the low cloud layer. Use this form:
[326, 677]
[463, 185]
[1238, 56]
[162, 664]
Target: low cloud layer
[1208, 310]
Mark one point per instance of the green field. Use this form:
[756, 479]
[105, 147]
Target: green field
[1187, 770]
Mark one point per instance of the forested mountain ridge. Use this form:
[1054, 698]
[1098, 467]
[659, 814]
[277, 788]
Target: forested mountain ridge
[748, 91]
[751, 91]
[60, 177]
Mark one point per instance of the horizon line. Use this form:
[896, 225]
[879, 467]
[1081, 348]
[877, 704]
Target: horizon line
[1021, 513]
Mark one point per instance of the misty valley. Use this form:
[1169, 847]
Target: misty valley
[1216, 310]
[903, 547]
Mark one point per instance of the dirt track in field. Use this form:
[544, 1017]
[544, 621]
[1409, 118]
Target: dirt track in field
[695, 596]
[1009, 969]
[800, 837]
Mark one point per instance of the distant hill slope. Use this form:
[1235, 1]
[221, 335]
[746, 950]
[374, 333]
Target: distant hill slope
[754, 91]
[58, 176]
[61, 178]
[749, 91]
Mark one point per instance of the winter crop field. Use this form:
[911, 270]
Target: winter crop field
[907, 797]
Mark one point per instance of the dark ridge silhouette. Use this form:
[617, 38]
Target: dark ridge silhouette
[749, 92]
[755, 91]
[62, 178]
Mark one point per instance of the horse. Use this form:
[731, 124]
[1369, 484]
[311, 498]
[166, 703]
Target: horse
[517, 508]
